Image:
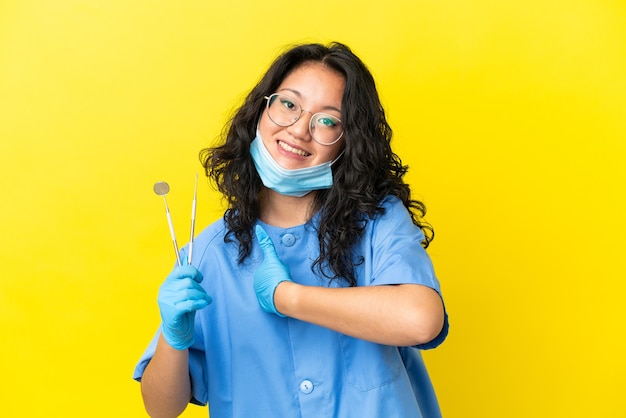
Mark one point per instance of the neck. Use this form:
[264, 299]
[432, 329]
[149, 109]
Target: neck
[285, 211]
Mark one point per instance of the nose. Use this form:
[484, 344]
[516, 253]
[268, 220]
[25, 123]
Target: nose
[300, 128]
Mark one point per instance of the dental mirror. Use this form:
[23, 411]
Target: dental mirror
[162, 188]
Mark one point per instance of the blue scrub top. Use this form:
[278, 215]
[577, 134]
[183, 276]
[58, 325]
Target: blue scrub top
[249, 363]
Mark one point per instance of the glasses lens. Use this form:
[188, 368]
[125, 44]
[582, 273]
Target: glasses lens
[283, 110]
[326, 129]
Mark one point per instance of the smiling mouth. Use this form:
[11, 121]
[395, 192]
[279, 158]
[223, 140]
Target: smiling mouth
[291, 149]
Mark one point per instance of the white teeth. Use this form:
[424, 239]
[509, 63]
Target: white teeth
[292, 149]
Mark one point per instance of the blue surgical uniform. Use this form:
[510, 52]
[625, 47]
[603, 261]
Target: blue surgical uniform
[246, 362]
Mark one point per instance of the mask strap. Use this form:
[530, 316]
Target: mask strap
[338, 157]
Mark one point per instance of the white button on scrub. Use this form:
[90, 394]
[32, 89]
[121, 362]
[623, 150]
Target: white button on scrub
[306, 387]
[289, 240]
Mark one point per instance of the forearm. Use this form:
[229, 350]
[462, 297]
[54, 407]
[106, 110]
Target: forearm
[401, 315]
[165, 385]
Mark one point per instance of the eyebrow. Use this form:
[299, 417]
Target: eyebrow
[297, 93]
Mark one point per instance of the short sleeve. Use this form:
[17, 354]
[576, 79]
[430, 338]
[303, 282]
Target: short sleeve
[197, 369]
[399, 258]
[396, 249]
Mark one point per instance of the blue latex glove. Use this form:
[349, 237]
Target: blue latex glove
[180, 296]
[269, 274]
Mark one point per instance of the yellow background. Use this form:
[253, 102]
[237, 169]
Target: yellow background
[511, 114]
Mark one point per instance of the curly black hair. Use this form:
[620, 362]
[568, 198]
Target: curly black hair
[367, 172]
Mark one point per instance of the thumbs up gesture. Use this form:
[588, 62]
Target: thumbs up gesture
[270, 273]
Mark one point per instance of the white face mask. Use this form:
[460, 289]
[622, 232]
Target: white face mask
[298, 182]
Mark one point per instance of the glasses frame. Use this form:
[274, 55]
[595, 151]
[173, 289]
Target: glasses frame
[294, 100]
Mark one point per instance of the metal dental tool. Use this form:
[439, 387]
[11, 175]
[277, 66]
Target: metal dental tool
[162, 188]
[193, 219]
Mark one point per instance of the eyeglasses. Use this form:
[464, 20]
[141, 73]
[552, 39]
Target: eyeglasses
[284, 110]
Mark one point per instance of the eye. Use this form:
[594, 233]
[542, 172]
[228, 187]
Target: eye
[288, 104]
[327, 121]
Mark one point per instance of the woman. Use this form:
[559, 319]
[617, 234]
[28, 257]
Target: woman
[317, 291]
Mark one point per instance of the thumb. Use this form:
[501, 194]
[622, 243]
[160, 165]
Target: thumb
[184, 271]
[264, 241]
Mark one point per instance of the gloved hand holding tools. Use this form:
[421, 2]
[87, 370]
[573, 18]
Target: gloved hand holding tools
[180, 296]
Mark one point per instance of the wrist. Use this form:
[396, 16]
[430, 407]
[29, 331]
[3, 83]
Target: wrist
[175, 339]
[286, 297]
